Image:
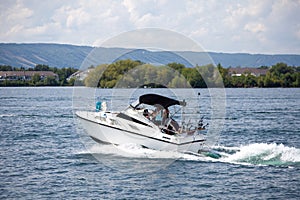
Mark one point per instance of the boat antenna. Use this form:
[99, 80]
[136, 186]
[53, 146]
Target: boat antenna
[199, 105]
[201, 126]
[199, 102]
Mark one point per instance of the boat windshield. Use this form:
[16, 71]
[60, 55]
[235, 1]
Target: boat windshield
[135, 104]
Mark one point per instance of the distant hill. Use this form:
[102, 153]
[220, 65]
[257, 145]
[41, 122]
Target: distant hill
[54, 55]
[63, 55]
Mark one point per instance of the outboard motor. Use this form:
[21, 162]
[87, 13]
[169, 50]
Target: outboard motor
[98, 106]
[201, 126]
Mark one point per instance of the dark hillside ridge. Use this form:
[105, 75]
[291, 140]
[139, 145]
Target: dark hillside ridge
[54, 55]
[65, 55]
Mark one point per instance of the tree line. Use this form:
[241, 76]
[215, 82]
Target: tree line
[63, 74]
[132, 74]
[278, 75]
[128, 73]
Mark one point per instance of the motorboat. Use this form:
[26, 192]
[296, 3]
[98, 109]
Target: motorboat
[147, 122]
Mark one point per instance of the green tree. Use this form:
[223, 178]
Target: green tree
[178, 82]
[260, 81]
[150, 74]
[6, 68]
[250, 81]
[72, 81]
[36, 79]
[94, 76]
[194, 77]
[224, 74]
[164, 76]
[271, 80]
[238, 81]
[135, 73]
[210, 75]
[287, 80]
[296, 83]
[176, 66]
[281, 68]
[50, 81]
[40, 67]
[115, 71]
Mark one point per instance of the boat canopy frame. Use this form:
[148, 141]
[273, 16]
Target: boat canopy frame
[155, 99]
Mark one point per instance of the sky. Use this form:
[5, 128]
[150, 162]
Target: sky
[247, 26]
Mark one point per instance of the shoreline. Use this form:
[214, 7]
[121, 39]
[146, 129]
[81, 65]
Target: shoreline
[65, 86]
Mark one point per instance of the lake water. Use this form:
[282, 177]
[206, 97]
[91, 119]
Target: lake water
[46, 154]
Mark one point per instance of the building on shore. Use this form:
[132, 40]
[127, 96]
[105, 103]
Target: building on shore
[25, 75]
[247, 71]
[80, 75]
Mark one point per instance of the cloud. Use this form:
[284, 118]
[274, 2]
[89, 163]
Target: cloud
[269, 26]
[11, 15]
[18, 12]
[155, 39]
[72, 18]
[255, 27]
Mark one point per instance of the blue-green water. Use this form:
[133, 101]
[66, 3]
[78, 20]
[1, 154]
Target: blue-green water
[43, 153]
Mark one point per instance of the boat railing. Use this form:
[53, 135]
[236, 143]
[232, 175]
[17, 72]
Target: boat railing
[191, 119]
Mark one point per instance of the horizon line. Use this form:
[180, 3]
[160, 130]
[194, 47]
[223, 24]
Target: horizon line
[81, 45]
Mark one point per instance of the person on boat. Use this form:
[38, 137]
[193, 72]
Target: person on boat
[155, 115]
[146, 113]
[165, 116]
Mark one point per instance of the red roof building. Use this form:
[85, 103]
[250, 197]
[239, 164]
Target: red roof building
[25, 75]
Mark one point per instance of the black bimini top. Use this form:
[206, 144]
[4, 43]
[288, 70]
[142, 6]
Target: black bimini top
[154, 99]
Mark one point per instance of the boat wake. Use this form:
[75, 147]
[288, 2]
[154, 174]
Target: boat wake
[7, 115]
[261, 154]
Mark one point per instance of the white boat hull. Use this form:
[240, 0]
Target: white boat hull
[110, 130]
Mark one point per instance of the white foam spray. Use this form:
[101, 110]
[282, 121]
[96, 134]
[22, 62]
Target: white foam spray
[252, 154]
